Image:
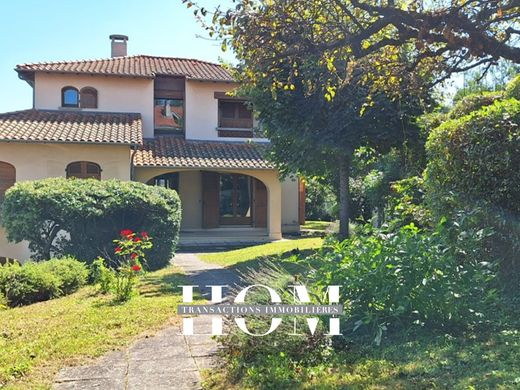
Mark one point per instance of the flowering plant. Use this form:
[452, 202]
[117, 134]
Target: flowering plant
[130, 250]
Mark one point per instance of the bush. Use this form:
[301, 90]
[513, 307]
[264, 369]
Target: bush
[81, 217]
[102, 275]
[513, 88]
[409, 278]
[406, 204]
[36, 282]
[477, 156]
[473, 168]
[472, 103]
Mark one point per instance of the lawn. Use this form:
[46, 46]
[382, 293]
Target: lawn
[474, 361]
[37, 340]
[317, 225]
[229, 258]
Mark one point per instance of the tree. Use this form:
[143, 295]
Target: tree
[315, 134]
[442, 36]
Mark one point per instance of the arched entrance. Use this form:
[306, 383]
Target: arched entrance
[233, 199]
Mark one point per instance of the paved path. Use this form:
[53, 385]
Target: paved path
[165, 361]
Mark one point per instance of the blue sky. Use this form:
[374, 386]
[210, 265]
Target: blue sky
[54, 30]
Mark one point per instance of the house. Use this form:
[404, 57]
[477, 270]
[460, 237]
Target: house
[158, 120]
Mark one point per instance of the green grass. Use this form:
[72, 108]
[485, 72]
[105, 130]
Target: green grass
[39, 339]
[474, 361]
[317, 225]
[232, 257]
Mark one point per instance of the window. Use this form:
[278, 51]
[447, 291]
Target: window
[88, 97]
[169, 180]
[69, 97]
[169, 114]
[7, 177]
[83, 170]
[235, 115]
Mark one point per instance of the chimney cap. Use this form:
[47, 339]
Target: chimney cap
[119, 37]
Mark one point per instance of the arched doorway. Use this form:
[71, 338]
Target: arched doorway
[233, 199]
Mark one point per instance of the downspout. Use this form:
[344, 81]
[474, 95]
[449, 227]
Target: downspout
[133, 148]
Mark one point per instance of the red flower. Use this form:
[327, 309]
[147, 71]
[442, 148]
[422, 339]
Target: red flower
[136, 268]
[126, 232]
[137, 239]
[118, 250]
[133, 256]
[144, 235]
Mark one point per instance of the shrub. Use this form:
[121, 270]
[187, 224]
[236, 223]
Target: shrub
[513, 88]
[406, 204]
[408, 278]
[473, 166]
[472, 103]
[35, 282]
[71, 273]
[102, 275]
[80, 217]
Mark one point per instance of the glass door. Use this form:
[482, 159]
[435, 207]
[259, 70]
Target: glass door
[235, 200]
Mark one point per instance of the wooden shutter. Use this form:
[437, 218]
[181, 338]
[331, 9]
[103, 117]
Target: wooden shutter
[83, 170]
[210, 200]
[7, 177]
[260, 204]
[301, 202]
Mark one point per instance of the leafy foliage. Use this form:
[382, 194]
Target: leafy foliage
[407, 204]
[438, 37]
[80, 217]
[409, 278]
[478, 155]
[472, 103]
[513, 89]
[320, 201]
[35, 282]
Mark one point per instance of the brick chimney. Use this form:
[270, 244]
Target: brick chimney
[118, 45]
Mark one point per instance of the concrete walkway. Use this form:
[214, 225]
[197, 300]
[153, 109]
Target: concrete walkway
[165, 361]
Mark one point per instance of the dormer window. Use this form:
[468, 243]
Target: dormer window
[88, 97]
[69, 97]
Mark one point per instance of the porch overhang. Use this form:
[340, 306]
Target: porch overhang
[178, 153]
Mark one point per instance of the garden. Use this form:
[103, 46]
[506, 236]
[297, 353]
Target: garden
[105, 283]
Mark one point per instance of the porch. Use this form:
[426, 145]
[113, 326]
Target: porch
[222, 237]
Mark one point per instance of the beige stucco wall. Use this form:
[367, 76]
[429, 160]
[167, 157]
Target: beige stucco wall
[290, 205]
[37, 161]
[202, 110]
[190, 204]
[115, 94]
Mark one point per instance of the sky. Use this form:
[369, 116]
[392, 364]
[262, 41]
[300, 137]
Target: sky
[57, 30]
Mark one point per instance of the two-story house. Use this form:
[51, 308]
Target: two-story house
[158, 120]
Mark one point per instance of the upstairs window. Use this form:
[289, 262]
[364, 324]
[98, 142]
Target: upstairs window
[7, 177]
[169, 114]
[69, 97]
[234, 114]
[83, 170]
[88, 97]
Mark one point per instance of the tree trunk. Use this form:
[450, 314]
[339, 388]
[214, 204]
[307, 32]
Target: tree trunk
[344, 196]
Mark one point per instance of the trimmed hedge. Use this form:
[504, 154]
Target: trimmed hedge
[477, 156]
[36, 282]
[473, 102]
[81, 218]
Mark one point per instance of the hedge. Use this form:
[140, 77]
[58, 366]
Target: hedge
[478, 156]
[36, 282]
[81, 218]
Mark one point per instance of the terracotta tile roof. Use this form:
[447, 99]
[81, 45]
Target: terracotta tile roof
[174, 152]
[134, 66]
[71, 126]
